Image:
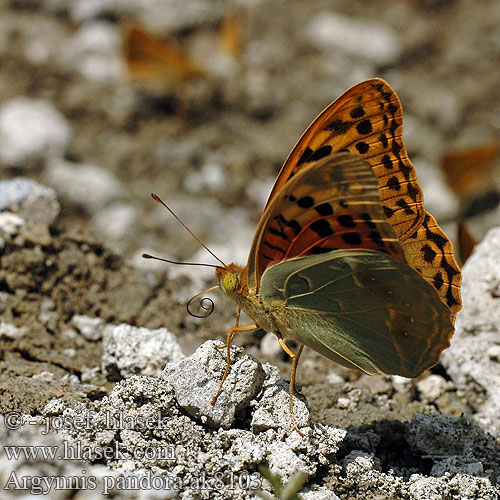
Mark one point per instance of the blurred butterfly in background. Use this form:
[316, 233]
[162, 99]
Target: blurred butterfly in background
[156, 62]
[473, 175]
[345, 259]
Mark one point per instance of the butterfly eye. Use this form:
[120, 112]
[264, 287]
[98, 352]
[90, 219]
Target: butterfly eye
[229, 282]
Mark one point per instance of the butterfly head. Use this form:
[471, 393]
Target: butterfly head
[230, 279]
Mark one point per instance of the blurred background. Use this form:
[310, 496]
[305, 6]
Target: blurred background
[201, 101]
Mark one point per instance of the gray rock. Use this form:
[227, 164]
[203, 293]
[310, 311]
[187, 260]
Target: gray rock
[441, 435]
[456, 465]
[319, 495]
[31, 130]
[362, 473]
[196, 380]
[128, 350]
[11, 331]
[90, 328]
[21, 471]
[90, 186]
[195, 450]
[432, 387]
[10, 227]
[477, 330]
[32, 201]
[273, 408]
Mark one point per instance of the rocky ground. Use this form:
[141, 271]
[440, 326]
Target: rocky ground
[90, 333]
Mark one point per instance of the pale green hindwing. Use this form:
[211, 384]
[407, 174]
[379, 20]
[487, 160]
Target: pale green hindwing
[360, 308]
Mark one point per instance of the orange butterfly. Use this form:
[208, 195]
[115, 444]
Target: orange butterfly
[152, 59]
[345, 258]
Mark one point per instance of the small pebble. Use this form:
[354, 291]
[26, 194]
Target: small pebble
[89, 186]
[361, 38]
[90, 328]
[31, 130]
[432, 387]
[35, 203]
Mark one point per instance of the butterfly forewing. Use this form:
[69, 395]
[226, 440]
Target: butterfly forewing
[332, 203]
[366, 120]
[360, 308]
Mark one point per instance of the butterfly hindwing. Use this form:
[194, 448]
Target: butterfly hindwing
[330, 204]
[366, 120]
[360, 308]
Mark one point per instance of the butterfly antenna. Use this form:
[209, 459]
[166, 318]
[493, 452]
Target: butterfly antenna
[159, 200]
[148, 256]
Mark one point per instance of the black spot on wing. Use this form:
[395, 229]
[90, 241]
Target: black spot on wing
[428, 252]
[387, 96]
[320, 153]
[322, 228]
[304, 156]
[438, 280]
[368, 220]
[376, 238]
[294, 226]
[396, 147]
[386, 161]
[305, 202]
[364, 127]
[352, 238]
[393, 183]
[338, 127]
[357, 112]
[389, 212]
[362, 147]
[346, 221]
[439, 240]
[324, 209]
[413, 192]
[277, 232]
[402, 204]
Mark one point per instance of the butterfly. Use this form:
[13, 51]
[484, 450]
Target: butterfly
[153, 60]
[345, 259]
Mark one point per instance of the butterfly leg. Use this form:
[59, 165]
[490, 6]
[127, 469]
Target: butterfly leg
[293, 387]
[231, 333]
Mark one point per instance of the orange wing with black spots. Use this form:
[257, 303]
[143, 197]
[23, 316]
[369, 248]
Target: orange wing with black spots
[366, 120]
[331, 204]
[431, 254]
